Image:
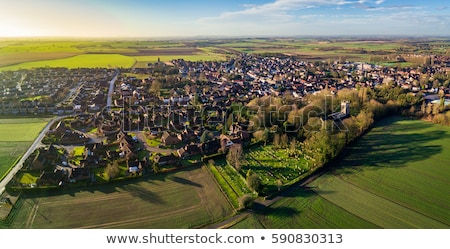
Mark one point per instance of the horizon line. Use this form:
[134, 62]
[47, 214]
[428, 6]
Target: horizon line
[193, 37]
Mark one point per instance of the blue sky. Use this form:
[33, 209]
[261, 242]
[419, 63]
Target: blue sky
[171, 18]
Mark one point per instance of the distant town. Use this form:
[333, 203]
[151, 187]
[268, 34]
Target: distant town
[62, 91]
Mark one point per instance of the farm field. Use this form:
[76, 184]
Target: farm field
[396, 176]
[21, 53]
[79, 61]
[185, 199]
[16, 135]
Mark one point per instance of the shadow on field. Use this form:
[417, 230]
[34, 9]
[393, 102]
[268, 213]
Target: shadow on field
[305, 191]
[282, 212]
[392, 146]
[143, 194]
[185, 181]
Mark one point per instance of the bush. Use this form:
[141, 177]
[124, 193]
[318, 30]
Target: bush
[245, 201]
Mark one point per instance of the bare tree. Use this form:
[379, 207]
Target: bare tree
[111, 171]
[235, 155]
[253, 181]
[155, 87]
[284, 141]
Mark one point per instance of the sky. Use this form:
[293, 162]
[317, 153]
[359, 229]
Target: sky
[214, 18]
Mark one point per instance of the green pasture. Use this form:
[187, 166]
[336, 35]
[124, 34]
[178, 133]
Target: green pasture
[34, 46]
[80, 46]
[10, 152]
[185, 199]
[306, 209]
[80, 61]
[396, 176]
[23, 53]
[401, 166]
[20, 132]
[16, 136]
[168, 58]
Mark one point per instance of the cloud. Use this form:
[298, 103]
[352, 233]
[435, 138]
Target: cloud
[280, 10]
[291, 17]
[391, 7]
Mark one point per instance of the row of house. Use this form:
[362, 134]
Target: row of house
[55, 91]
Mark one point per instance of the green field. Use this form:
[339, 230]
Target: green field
[168, 58]
[80, 61]
[185, 199]
[16, 136]
[26, 54]
[29, 53]
[396, 176]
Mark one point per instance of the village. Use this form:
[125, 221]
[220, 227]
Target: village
[176, 114]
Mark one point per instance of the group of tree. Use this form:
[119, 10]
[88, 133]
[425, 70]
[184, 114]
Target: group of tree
[305, 127]
[308, 122]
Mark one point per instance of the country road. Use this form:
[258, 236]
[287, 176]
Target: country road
[30, 150]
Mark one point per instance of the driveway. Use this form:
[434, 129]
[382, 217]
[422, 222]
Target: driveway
[140, 135]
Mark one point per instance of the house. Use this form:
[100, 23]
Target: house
[189, 150]
[60, 129]
[79, 174]
[210, 147]
[164, 160]
[91, 149]
[225, 141]
[55, 177]
[134, 166]
[44, 157]
[187, 135]
[126, 145]
[169, 139]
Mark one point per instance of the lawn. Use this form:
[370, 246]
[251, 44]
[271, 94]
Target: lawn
[185, 199]
[28, 177]
[396, 176]
[16, 136]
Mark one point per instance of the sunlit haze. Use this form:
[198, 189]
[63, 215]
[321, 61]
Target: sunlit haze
[170, 18]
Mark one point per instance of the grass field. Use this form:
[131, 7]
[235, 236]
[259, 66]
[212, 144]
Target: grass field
[80, 61]
[396, 176]
[28, 53]
[185, 199]
[16, 135]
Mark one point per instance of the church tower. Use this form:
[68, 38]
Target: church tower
[345, 108]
